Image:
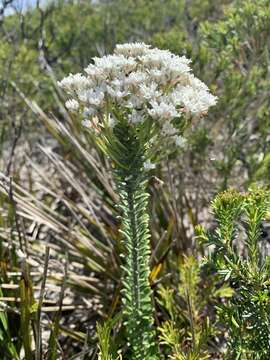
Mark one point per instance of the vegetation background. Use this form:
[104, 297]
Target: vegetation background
[59, 239]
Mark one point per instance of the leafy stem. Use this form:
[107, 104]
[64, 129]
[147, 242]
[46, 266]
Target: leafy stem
[130, 151]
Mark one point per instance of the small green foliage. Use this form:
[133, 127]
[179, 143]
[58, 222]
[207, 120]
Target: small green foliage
[104, 333]
[106, 348]
[239, 260]
[226, 207]
[186, 333]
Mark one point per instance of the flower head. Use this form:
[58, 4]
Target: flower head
[72, 105]
[142, 84]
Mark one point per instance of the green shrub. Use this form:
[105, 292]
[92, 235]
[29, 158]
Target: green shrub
[240, 259]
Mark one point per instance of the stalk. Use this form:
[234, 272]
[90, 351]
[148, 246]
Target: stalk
[132, 180]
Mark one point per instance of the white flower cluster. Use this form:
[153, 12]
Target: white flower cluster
[144, 83]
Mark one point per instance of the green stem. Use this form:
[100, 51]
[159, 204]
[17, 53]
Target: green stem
[131, 178]
[135, 267]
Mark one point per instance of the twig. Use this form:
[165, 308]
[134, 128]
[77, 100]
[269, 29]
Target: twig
[85, 349]
[17, 135]
[41, 296]
[16, 218]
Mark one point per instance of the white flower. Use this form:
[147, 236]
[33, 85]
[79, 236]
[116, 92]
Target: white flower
[87, 123]
[158, 76]
[89, 112]
[164, 59]
[95, 73]
[162, 111]
[116, 93]
[194, 100]
[176, 67]
[134, 49]
[112, 64]
[156, 58]
[150, 91]
[92, 125]
[135, 102]
[168, 129]
[92, 97]
[116, 90]
[74, 82]
[197, 83]
[135, 78]
[148, 165]
[72, 105]
[135, 117]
